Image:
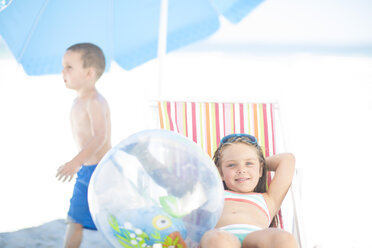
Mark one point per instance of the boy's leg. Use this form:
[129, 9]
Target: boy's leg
[270, 238]
[79, 209]
[219, 239]
[74, 235]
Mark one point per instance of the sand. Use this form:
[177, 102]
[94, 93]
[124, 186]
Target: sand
[48, 235]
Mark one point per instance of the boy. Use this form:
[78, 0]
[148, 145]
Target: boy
[83, 64]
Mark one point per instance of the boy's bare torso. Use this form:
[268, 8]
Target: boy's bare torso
[82, 127]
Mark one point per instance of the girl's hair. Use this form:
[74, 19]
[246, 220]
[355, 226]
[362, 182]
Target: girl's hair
[261, 186]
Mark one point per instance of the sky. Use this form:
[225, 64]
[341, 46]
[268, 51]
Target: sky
[313, 57]
[328, 22]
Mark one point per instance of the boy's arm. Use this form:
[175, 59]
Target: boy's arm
[97, 116]
[284, 166]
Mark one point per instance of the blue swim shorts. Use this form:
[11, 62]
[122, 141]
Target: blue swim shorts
[79, 208]
[240, 230]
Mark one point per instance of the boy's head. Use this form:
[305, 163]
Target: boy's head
[91, 55]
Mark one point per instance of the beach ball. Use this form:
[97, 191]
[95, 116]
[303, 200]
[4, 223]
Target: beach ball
[4, 4]
[155, 187]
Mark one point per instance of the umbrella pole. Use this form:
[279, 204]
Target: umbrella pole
[162, 42]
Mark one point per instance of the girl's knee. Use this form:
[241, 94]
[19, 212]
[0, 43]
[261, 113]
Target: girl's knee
[284, 239]
[270, 238]
[218, 238]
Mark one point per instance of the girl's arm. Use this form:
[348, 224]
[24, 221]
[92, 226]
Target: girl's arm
[284, 166]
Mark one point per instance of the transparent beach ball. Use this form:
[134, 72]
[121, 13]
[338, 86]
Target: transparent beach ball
[155, 187]
[4, 4]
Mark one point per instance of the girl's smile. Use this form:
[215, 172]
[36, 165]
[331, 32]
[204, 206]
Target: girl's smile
[242, 179]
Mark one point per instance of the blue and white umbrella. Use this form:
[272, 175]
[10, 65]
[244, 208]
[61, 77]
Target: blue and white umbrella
[38, 32]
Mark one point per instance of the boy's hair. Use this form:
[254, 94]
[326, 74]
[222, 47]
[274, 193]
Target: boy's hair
[261, 186]
[91, 55]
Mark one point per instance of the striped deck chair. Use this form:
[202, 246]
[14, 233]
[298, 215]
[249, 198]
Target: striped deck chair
[207, 122]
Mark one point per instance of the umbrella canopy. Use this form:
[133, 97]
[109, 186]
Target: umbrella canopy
[38, 32]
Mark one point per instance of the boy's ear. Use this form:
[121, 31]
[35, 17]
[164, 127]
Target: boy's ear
[91, 73]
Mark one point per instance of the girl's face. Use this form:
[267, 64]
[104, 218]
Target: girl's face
[240, 167]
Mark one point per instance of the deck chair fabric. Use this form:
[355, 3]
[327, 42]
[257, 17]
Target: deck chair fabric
[206, 123]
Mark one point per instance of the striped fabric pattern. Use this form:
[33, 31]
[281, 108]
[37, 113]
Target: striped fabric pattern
[251, 198]
[240, 230]
[207, 122]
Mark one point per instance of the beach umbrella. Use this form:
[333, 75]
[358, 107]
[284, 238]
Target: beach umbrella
[38, 32]
[4, 4]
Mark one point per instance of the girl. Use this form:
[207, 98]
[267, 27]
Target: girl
[249, 207]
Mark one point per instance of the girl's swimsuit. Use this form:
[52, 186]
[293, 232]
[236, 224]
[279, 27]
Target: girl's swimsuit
[256, 199]
[240, 230]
